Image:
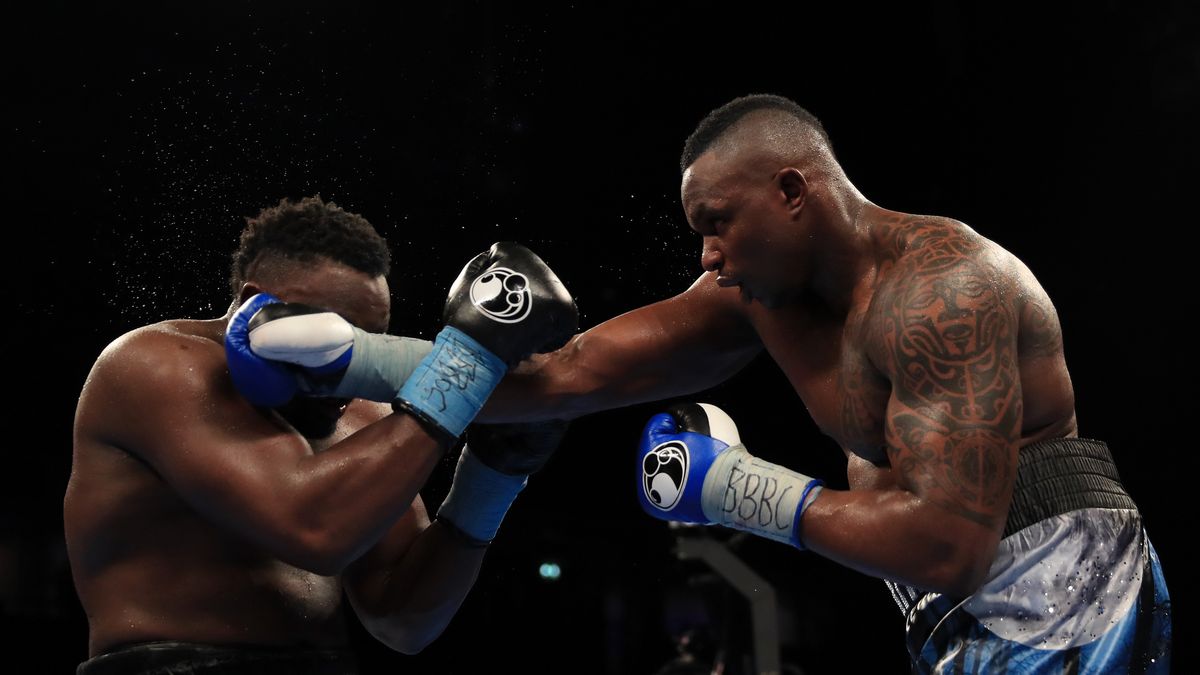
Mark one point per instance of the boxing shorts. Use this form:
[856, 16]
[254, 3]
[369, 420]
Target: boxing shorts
[1076, 585]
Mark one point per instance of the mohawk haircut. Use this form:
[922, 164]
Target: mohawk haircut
[719, 121]
[306, 230]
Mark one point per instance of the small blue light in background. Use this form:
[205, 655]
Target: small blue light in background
[550, 571]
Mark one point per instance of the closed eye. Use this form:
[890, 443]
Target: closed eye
[718, 226]
[709, 222]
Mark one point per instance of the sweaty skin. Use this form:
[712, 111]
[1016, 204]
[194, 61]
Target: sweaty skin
[191, 515]
[929, 353]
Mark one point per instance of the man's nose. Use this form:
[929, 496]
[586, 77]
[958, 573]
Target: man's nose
[711, 259]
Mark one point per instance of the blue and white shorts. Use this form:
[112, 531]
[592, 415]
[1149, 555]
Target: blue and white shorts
[1076, 592]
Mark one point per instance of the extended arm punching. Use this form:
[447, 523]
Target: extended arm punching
[678, 346]
[948, 344]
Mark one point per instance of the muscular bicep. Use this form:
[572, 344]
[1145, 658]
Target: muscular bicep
[953, 419]
[677, 346]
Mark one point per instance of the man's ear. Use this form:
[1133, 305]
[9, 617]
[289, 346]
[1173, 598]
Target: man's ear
[249, 290]
[793, 186]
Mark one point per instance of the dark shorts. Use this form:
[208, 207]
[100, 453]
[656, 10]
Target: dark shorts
[1076, 585]
[183, 658]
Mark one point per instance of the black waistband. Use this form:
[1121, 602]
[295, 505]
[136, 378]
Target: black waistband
[1054, 477]
[1062, 475]
[161, 658]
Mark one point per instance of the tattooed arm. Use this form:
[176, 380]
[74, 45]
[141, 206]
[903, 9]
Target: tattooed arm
[946, 338]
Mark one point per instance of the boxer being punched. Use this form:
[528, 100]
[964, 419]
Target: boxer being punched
[935, 359]
[219, 503]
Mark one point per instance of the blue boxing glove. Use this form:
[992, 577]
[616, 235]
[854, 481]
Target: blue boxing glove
[277, 350]
[263, 382]
[693, 468]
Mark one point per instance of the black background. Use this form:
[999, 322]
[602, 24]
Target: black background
[143, 136]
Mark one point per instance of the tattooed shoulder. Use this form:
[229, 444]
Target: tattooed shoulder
[946, 329]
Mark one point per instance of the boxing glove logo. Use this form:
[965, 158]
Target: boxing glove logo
[664, 473]
[502, 294]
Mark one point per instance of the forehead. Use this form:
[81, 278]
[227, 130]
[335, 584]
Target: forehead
[709, 181]
[697, 182]
[361, 299]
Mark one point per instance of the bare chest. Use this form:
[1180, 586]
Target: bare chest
[827, 364]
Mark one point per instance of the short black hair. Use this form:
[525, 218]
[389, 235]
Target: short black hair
[716, 123]
[306, 230]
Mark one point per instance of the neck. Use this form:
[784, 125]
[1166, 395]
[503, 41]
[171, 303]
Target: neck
[845, 257]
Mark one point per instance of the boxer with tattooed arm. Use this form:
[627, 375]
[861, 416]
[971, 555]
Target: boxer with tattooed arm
[935, 359]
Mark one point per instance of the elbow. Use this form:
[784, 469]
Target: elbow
[964, 581]
[964, 565]
[319, 552]
[400, 623]
[411, 645]
[405, 636]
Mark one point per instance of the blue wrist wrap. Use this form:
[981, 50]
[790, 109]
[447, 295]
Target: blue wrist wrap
[479, 497]
[452, 382]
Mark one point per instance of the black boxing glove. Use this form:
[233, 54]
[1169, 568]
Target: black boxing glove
[512, 303]
[505, 305]
[516, 448]
[493, 469]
